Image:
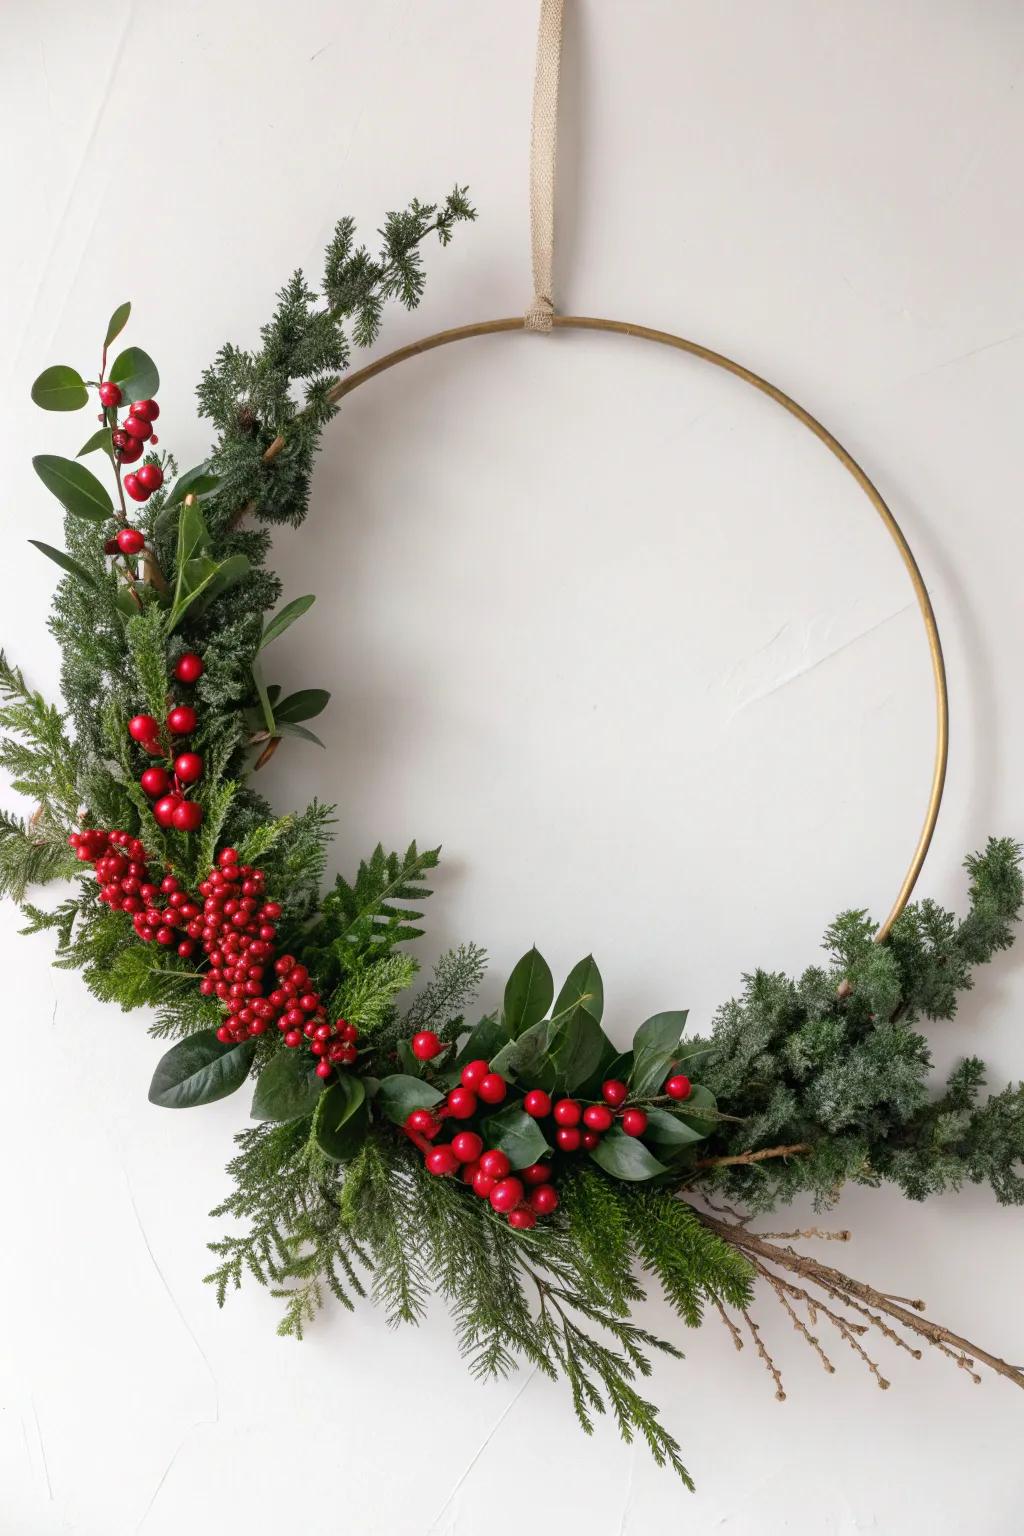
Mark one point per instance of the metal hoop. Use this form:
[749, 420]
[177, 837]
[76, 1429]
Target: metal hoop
[352, 381]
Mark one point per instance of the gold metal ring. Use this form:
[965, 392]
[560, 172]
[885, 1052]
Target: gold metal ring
[618, 327]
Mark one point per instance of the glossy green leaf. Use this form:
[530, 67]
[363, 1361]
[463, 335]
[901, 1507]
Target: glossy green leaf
[135, 372]
[117, 323]
[655, 1044]
[304, 705]
[288, 1087]
[517, 1134]
[400, 1094]
[342, 1119]
[700, 1110]
[66, 563]
[528, 992]
[198, 481]
[99, 439]
[583, 988]
[75, 487]
[288, 614]
[580, 1049]
[289, 728]
[671, 1131]
[626, 1157]
[527, 1057]
[60, 389]
[413, 1068]
[484, 1041]
[264, 697]
[200, 1070]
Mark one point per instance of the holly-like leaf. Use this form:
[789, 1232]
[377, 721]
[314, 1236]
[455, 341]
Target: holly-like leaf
[580, 1049]
[117, 323]
[67, 563]
[517, 1134]
[200, 1070]
[484, 1040]
[625, 1157]
[134, 371]
[342, 1118]
[672, 1131]
[75, 487]
[60, 389]
[400, 1094]
[528, 992]
[288, 614]
[304, 705]
[655, 1045]
[99, 439]
[583, 988]
[287, 1088]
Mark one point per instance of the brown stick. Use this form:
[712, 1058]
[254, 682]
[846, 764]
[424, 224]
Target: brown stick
[753, 1157]
[834, 1280]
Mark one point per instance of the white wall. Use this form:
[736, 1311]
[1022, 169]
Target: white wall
[614, 629]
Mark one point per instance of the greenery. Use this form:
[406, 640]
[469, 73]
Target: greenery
[800, 1085]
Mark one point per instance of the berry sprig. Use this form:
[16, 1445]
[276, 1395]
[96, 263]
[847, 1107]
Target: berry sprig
[168, 789]
[486, 1171]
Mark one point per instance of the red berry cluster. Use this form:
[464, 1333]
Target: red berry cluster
[579, 1126]
[120, 862]
[487, 1172]
[171, 808]
[129, 440]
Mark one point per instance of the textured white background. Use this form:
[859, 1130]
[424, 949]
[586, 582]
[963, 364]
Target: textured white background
[614, 629]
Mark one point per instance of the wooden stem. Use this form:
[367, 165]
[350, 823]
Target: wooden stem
[754, 1157]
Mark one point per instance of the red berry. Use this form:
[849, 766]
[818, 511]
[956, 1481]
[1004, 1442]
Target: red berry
[136, 490]
[544, 1199]
[537, 1103]
[189, 668]
[634, 1122]
[188, 816]
[293, 1038]
[483, 1183]
[441, 1160]
[506, 1195]
[181, 720]
[493, 1088]
[422, 1121]
[147, 409]
[130, 540]
[155, 782]
[164, 809]
[473, 1073]
[151, 476]
[138, 427]
[679, 1087]
[467, 1146]
[568, 1138]
[110, 394]
[426, 1045]
[495, 1164]
[462, 1103]
[537, 1173]
[143, 728]
[614, 1092]
[229, 856]
[597, 1117]
[128, 448]
[567, 1112]
[188, 767]
[469, 1173]
[590, 1140]
[522, 1219]
[324, 1069]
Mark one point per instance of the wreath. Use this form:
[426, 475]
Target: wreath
[533, 1170]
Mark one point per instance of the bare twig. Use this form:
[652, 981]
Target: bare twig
[753, 1157]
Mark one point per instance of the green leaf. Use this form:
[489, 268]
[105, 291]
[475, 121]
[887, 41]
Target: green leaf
[655, 1044]
[342, 1118]
[99, 439]
[669, 1130]
[198, 481]
[198, 576]
[583, 988]
[289, 728]
[526, 1058]
[700, 1110]
[484, 1041]
[528, 992]
[75, 487]
[517, 1134]
[400, 1094]
[287, 1088]
[413, 1068]
[135, 372]
[580, 1049]
[288, 614]
[117, 323]
[626, 1157]
[68, 564]
[199, 1070]
[304, 705]
[60, 389]
[264, 697]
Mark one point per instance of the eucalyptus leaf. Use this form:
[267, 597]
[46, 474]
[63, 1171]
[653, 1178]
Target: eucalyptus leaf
[400, 1094]
[135, 374]
[341, 1118]
[625, 1157]
[288, 614]
[200, 1070]
[288, 1087]
[60, 389]
[517, 1134]
[75, 487]
[117, 323]
[583, 988]
[67, 563]
[528, 992]
[655, 1045]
